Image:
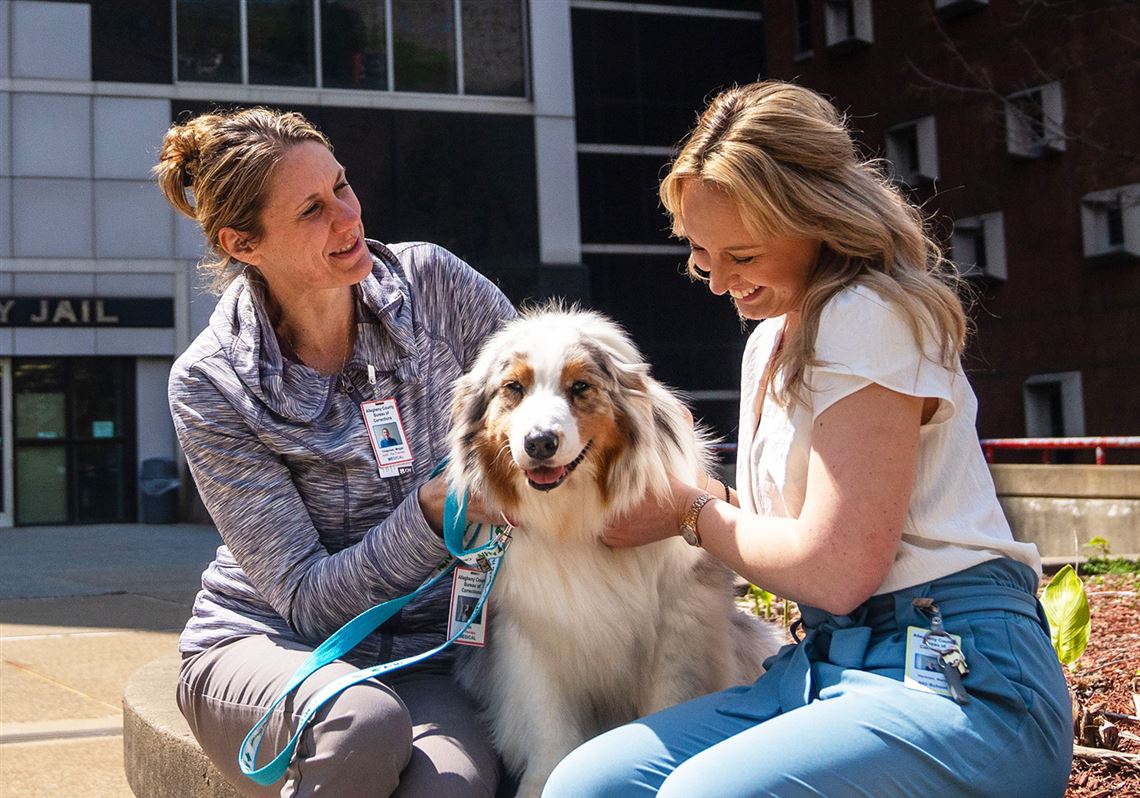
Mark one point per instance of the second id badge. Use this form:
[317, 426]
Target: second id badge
[389, 441]
[466, 590]
[922, 654]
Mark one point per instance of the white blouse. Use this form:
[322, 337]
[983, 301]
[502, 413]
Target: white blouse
[953, 520]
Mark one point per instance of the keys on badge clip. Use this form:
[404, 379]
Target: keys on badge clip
[951, 661]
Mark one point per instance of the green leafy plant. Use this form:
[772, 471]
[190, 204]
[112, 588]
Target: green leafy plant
[1100, 543]
[1067, 608]
[761, 598]
[1104, 563]
[1114, 565]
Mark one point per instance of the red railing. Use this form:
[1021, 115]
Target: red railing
[1047, 445]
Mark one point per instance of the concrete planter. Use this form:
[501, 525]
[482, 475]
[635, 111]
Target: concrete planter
[1061, 507]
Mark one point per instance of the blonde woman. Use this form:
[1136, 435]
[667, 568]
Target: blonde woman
[923, 664]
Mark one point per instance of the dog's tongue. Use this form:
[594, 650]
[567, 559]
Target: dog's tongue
[546, 475]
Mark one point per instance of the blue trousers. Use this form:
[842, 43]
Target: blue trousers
[832, 717]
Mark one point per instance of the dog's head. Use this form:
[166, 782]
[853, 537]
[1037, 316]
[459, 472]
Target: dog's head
[559, 402]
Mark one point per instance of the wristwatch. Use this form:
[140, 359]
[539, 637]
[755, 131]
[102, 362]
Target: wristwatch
[688, 529]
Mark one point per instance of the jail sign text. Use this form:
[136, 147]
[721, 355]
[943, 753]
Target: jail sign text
[86, 312]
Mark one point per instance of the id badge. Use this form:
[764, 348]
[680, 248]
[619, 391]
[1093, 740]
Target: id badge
[389, 441]
[922, 671]
[466, 589]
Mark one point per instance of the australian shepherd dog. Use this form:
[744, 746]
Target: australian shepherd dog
[560, 426]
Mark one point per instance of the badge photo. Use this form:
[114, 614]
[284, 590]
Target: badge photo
[386, 431]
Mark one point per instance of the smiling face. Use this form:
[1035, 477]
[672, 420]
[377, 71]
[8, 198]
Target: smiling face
[765, 276]
[313, 238]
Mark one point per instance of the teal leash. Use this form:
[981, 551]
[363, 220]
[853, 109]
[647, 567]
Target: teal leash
[486, 557]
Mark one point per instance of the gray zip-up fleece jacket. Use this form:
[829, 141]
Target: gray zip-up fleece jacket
[313, 535]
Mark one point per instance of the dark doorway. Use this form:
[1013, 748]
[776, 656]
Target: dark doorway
[74, 442]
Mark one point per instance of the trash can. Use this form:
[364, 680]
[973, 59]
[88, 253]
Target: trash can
[158, 491]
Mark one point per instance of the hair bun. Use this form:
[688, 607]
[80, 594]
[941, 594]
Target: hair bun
[181, 149]
[179, 158]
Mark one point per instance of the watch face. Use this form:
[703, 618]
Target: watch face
[690, 536]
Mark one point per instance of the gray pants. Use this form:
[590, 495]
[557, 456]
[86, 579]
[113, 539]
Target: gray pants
[415, 736]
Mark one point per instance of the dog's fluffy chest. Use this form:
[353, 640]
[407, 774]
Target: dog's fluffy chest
[584, 595]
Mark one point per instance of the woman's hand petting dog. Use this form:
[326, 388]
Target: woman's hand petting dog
[432, 495]
[655, 518]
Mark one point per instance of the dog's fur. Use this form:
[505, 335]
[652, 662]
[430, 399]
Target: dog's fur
[583, 637]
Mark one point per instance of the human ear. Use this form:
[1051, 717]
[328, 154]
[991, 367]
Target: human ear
[239, 246]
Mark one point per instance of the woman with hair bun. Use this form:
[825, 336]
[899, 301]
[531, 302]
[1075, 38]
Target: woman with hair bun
[313, 322]
[922, 663]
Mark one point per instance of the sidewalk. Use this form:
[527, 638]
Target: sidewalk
[80, 609]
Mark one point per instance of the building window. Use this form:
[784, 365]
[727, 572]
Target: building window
[423, 45]
[493, 31]
[952, 8]
[1054, 405]
[912, 150]
[209, 41]
[281, 42]
[1110, 222]
[470, 47]
[847, 24]
[354, 44]
[803, 28]
[1035, 122]
[979, 246]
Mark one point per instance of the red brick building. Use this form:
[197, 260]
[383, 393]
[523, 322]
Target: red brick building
[1017, 125]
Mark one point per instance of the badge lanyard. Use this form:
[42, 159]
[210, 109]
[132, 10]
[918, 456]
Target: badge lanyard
[486, 557]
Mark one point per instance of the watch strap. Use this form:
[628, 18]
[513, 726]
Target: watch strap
[688, 529]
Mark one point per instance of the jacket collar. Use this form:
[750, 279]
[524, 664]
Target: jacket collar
[385, 339]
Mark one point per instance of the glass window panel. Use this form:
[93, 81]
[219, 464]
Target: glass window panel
[41, 406]
[493, 47]
[99, 489]
[627, 88]
[41, 484]
[40, 415]
[618, 200]
[209, 47]
[353, 44]
[130, 41]
[424, 45]
[97, 402]
[281, 42]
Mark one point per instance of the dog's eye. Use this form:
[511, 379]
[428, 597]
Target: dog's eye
[579, 388]
[514, 386]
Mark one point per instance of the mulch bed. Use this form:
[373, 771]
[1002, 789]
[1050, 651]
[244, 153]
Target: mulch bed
[1106, 679]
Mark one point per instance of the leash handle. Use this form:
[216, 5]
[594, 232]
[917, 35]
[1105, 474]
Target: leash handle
[487, 557]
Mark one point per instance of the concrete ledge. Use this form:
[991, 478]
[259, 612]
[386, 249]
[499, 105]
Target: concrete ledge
[1062, 507]
[1067, 481]
[161, 758]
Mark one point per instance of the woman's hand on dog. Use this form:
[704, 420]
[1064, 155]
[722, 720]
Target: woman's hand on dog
[654, 519]
[432, 495]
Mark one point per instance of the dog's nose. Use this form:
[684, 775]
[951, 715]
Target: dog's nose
[541, 444]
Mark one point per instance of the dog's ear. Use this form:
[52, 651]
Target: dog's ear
[625, 376]
[469, 404]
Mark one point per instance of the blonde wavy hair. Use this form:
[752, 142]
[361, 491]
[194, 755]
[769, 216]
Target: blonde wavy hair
[784, 155]
[215, 168]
